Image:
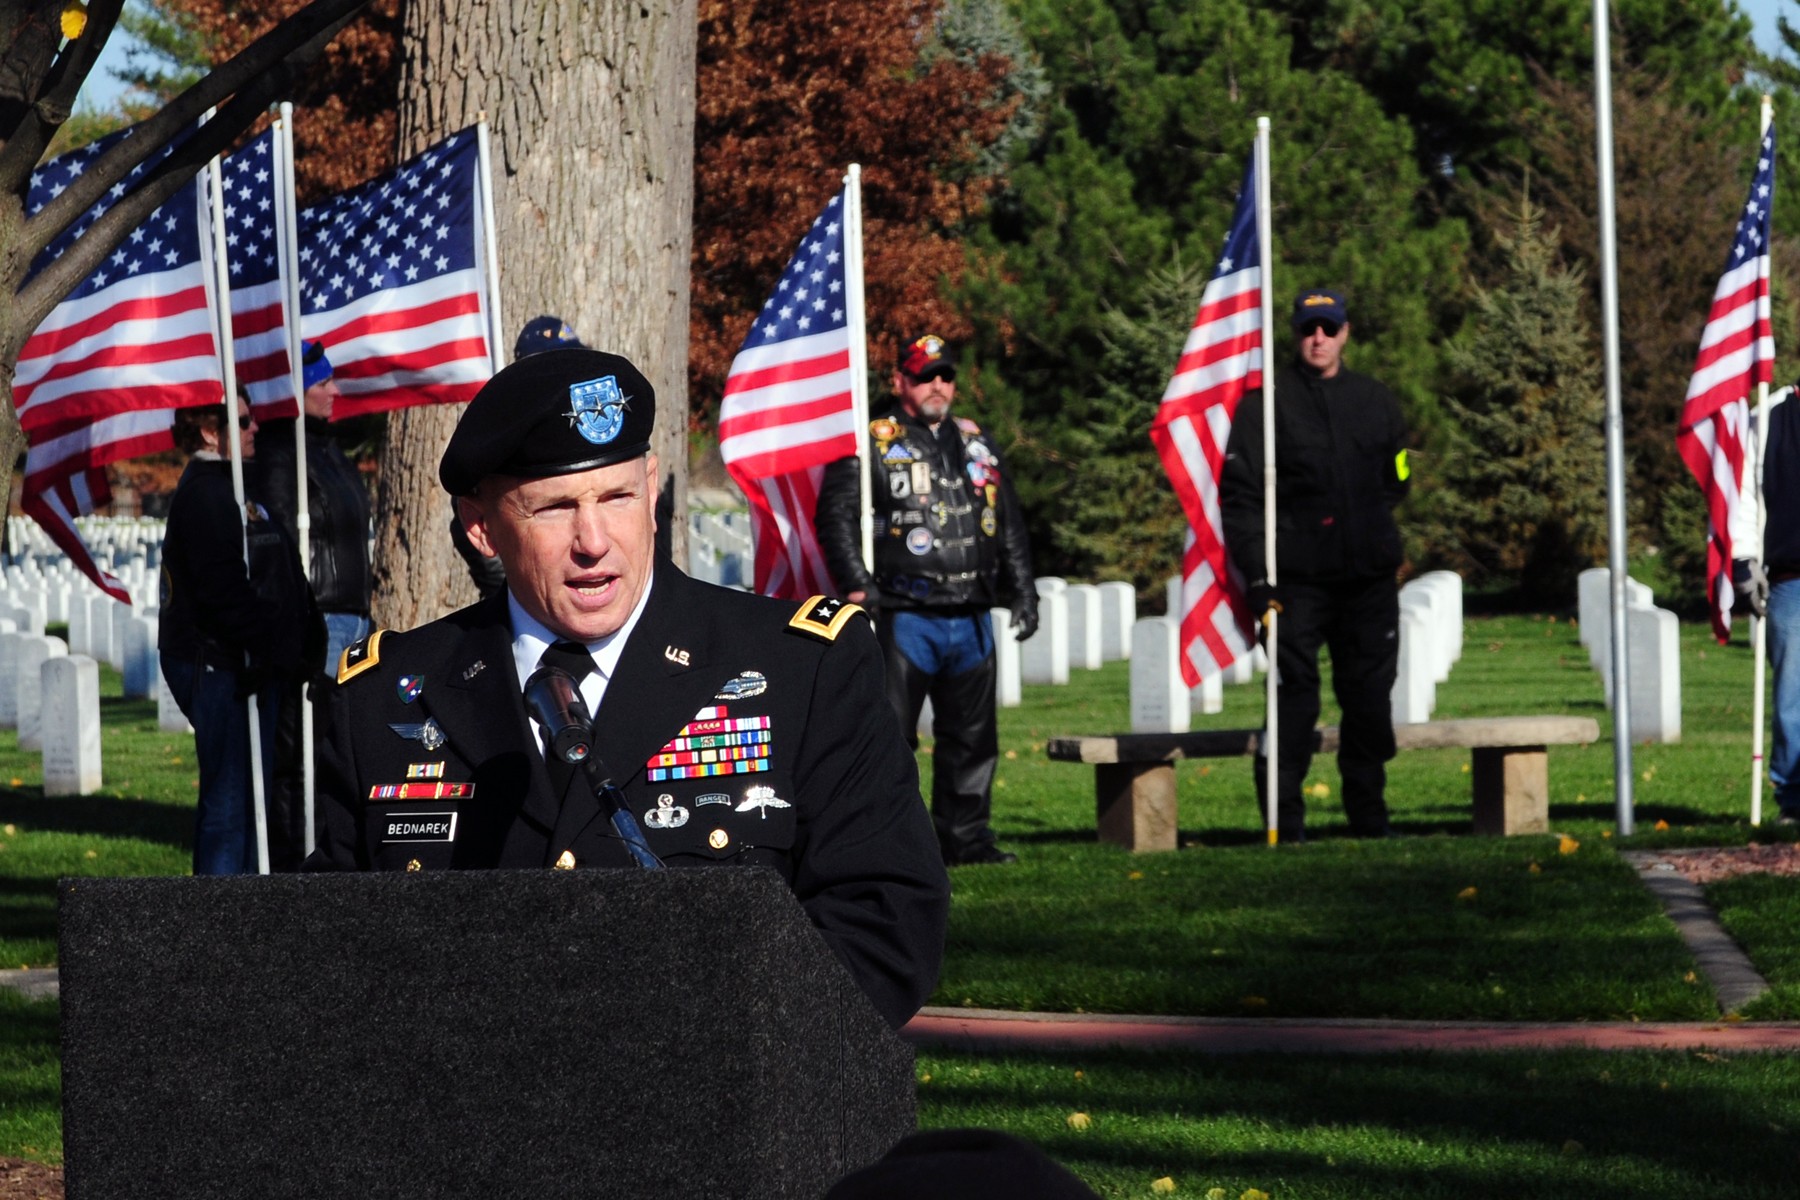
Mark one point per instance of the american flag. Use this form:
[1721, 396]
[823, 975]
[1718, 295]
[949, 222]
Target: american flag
[255, 183]
[1737, 352]
[788, 407]
[393, 281]
[136, 338]
[1222, 360]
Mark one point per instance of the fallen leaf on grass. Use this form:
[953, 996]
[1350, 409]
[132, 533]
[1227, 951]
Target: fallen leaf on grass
[1009, 753]
[1567, 845]
[1467, 893]
[1163, 1186]
[12, 829]
[1079, 1120]
[1319, 791]
[1605, 833]
[1254, 1194]
[1662, 827]
[1535, 869]
[925, 1078]
[1217, 1194]
[1135, 875]
[1081, 1074]
[96, 853]
[17, 782]
[1465, 768]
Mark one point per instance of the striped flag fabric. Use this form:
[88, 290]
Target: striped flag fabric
[97, 379]
[255, 181]
[1221, 361]
[788, 408]
[393, 281]
[1737, 352]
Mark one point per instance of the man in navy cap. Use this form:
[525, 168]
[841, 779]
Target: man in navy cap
[741, 730]
[1340, 468]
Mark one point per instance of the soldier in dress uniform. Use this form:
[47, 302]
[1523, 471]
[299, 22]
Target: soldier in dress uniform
[741, 730]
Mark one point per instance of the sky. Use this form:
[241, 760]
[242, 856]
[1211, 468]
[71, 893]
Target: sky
[102, 89]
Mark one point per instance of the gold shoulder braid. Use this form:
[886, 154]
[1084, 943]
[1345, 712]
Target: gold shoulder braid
[360, 657]
[823, 617]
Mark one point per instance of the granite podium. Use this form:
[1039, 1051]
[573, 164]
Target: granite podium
[476, 1033]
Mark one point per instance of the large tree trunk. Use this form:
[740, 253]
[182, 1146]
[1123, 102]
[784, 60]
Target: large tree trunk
[591, 107]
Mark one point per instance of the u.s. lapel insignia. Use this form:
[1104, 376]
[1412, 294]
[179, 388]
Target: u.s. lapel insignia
[409, 688]
[473, 669]
[762, 799]
[667, 814]
[744, 686]
[676, 656]
[565, 861]
[427, 733]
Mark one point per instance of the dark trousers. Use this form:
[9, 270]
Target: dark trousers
[950, 659]
[1358, 620]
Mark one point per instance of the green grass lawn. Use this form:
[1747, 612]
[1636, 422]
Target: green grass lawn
[1437, 925]
[1402, 1127]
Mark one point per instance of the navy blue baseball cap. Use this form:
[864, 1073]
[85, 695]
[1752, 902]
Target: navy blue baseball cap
[546, 333]
[1318, 304]
[555, 413]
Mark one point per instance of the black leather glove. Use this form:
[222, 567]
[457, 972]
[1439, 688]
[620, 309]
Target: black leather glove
[1025, 618]
[253, 679]
[1751, 583]
[1260, 596]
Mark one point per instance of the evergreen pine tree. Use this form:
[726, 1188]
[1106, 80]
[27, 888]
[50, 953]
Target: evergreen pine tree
[1524, 460]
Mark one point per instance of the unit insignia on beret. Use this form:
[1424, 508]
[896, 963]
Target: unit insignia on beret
[597, 409]
[824, 617]
[360, 657]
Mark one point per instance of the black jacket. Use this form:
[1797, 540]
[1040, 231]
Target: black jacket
[1781, 487]
[1338, 476]
[212, 611]
[339, 508]
[835, 808]
[948, 530]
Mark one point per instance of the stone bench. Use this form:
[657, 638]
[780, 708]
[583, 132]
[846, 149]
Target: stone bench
[1134, 773]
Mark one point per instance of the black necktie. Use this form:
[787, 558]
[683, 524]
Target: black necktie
[574, 658]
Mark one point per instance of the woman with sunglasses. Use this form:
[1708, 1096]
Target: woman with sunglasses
[227, 631]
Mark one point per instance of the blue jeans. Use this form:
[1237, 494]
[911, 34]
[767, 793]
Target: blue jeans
[225, 820]
[1784, 660]
[942, 645]
[342, 630]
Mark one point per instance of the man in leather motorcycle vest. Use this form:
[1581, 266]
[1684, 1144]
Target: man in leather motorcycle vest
[949, 546]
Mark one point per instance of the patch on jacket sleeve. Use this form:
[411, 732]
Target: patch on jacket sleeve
[360, 657]
[823, 617]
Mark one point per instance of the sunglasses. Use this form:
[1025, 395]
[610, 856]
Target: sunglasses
[1329, 328]
[947, 374]
[245, 422]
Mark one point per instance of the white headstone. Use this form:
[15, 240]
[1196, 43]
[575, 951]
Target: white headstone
[1007, 687]
[79, 624]
[1051, 584]
[9, 668]
[1432, 654]
[1118, 612]
[1599, 637]
[1159, 699]
[926, 717]
[28, 618]
[141, 663]
[100, 606]
[1084, 626]
[28, 681]
[1172, 596]
[121, 632]
[1654, 638]
[169, 717]
[1242, 668]
[1210, 695]
[71, 735]
[1452, 586]
[1045, 658]
[1414, 690]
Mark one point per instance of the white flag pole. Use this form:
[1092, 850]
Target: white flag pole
[1271, 680]
[859, 353]
[1759, 626]
[491, 268]
[1615, 421]
[228, 433]
[287, 247]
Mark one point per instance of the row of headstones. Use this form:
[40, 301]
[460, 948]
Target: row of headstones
[1653, 643]
[1430, 633]
[52, 698]
[114, 541]
[720, 549]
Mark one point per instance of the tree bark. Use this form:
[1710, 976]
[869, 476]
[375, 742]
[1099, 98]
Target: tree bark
[590, 105]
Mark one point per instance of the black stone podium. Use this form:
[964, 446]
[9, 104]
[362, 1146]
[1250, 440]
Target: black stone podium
[465, 1034]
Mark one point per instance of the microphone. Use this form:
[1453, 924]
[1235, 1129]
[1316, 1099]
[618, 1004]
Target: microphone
[554, 702]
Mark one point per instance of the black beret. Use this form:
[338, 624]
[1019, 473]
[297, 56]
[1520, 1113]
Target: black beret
[954, 1164]
[553, 413]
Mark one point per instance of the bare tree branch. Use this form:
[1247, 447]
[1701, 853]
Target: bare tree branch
[309, 29]
[34, 301]
[44, 112]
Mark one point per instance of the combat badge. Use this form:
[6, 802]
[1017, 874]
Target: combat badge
[711, 798]
[824, 617]
[746, 685]
[428, 733]
[762, 799]
[667, 814]
[360, 657]
[409, 688]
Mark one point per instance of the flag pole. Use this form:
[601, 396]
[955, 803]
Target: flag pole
[1615, 421]
[228, 432]
[1759, 626]
[496, 338]
[287, 243]
[859, 353]
[1271, 679]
